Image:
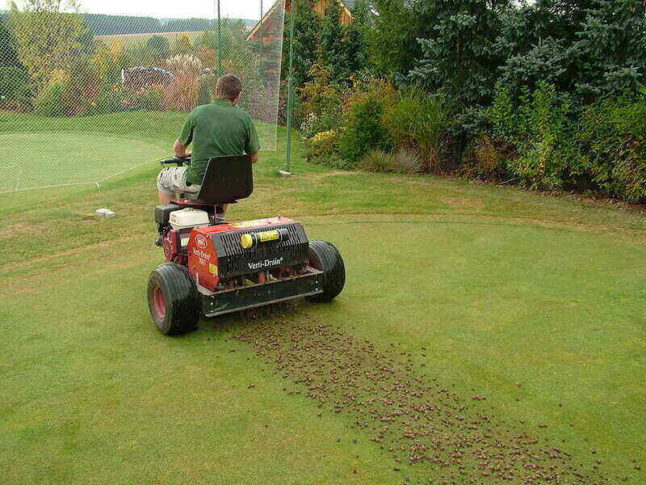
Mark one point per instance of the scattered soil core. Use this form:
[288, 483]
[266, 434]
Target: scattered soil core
[433, 434]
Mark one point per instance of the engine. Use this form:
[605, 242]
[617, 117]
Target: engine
[227, 256]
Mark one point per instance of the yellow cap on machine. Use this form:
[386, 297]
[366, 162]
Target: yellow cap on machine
[246, 241]
[249, 240]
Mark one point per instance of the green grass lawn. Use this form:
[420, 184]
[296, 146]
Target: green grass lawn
[536, 302]
[33, 160]
[42, 152]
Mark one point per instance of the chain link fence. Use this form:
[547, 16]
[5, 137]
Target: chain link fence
[86, 96]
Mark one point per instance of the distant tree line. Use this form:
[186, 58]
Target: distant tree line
[101, 24]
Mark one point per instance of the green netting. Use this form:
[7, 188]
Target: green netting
[68, 73]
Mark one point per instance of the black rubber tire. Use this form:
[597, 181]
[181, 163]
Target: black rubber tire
[325, 257]
[180, 299]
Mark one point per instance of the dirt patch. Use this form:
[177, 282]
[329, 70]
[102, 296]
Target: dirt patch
[433, 434]
[21, 229]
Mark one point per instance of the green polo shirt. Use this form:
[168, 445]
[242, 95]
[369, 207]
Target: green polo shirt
[217, 130]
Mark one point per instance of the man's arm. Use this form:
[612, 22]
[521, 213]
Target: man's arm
[252, 147]
[184, 139]
[180, 150]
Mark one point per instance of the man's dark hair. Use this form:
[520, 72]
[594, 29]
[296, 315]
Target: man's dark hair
[228, 87]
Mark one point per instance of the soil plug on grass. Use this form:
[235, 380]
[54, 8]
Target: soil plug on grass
[425, 427]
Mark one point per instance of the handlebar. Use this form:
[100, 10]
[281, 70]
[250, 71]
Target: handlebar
[179, 161]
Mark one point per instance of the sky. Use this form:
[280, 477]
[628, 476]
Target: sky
[176, 8]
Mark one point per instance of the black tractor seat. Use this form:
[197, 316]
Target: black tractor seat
[226, 180]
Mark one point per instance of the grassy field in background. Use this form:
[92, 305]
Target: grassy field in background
[536, 302]
[130, 39]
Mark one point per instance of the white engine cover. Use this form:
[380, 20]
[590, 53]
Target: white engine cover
[189, 217]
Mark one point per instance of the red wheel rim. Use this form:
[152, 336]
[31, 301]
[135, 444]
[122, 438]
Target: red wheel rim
[159, 303]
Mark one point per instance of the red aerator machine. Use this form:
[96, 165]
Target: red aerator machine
[214, 267]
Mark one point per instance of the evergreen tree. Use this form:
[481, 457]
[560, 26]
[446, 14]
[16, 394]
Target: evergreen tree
[306, 41]
[356, 39]
[159, 45]
[182, 45]
[461, 56]
[395, 27]
[334, 53]
[611, 48]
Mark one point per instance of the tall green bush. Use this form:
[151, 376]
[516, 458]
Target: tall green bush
[363, 120]
[160, 46]
[49, 100]
[208, 82]
[540, 134]
[320, 103]
[14, 85]
[613, 136]
[418, 121]
[307, 28]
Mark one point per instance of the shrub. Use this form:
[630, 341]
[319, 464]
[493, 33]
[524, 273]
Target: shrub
[484, 160]
[14, 85]
[208, 57]
[111, 100]
[418, 121]
[377, 160]
[160, 45]
[150, 99]
[320, 103]
[181, 94]
[69, 93]
[400, 161]
[322, 149]
[182, 45]
[502, 117]
[49, 101]
[540, 134]
[207, 88]
[109, 61]
[117, 99]
[81, 88]
[613, 137]
[363, 120]
[314, 123]
[184, 65]
[408, 160]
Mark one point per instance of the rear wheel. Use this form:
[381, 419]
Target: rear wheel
[325, 257]
[173, 300]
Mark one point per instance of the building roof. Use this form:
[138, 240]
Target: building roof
[348, 6]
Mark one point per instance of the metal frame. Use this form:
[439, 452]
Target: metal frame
[258, 295]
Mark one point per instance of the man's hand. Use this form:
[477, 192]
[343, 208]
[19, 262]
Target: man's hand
[254, 157]
[180, 150]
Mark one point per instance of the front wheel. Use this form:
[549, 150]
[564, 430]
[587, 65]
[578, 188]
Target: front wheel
[325, 257]
[173, 300]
